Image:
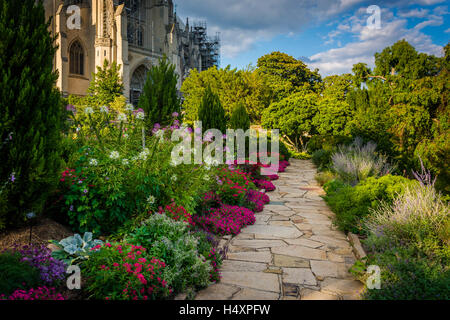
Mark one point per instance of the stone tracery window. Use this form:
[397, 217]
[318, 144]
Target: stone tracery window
[76, 61]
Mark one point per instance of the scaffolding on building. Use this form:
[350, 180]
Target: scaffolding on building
[209, 46]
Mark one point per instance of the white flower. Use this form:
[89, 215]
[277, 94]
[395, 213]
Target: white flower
[215, 163]
[104, 109]
[89, 110]
[174, 178]
[129, 107]
[206, 178]
[114, 155]
[125, 162]
[140, 116]
[122, 117]
[151, 199]
[207, 167]
[93, 162]
[144, 154]
[208, 160]
[159, 134]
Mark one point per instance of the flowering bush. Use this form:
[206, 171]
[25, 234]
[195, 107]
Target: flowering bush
[41, 293]
[177, 213]
[188, 265]
[51, 270]
[232, 185]
[264, 184]
[226, 219]
[257, 199]
[125, 272]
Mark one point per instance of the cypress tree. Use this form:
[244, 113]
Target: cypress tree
[30, 110]
[239, 118]
[160, 99]
[211, 112]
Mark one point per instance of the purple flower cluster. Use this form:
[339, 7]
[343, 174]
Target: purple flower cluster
[41, 293]
[226, 219]
[259, 199]
[39, 257]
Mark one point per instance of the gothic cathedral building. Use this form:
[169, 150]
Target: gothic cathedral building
[133, 33]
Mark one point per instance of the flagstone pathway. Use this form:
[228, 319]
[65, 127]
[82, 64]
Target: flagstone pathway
[292, 252]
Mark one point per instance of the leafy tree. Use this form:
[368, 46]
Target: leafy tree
[160, 96]
[293, 116]
[334, 114]
[106, 85]
[285, 74]
[232, 86]
[30, 110]
[211, 112]
[239, 118]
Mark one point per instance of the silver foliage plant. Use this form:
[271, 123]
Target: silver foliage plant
[358, 161]
[75, 248]
[417, 213]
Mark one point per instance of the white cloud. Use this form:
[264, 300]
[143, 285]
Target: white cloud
[416, 13]
[245, 22]
[369, 41]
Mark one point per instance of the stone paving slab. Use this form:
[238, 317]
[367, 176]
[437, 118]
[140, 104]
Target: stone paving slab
[292, 252]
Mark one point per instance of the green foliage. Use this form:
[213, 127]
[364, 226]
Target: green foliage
[352, 204]
[106, 85]
[334, 114]
[30, 111]
[211, 112]
[293, 116]
[232, 86]
[406, 274]
[125, 272]
[286, 74]
[159, 99]
[239, 118]
[322, 159]
[74, 249]
[15, 274]
[171, 242]
[324, 177]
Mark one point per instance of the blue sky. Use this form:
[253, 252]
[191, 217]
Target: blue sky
[330, 35]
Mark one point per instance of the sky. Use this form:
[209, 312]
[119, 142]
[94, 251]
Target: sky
[331, 35]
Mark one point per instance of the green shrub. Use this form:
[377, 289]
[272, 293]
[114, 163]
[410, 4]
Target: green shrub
[172, 243]
[321, 158]
[160, 99]
[30, 110]
[351, 204]
[211, 112]
[15, 274]
[324, 177]
[417, 217]
[239, 118]
[328, 143]
[407, 275]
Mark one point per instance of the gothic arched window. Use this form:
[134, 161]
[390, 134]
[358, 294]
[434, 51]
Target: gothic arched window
[76, 59]
[137, 84]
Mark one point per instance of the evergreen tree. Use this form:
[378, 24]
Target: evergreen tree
[30, 110]
[239, 118]
[211, 112]
[106, 84]
[160, 97]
